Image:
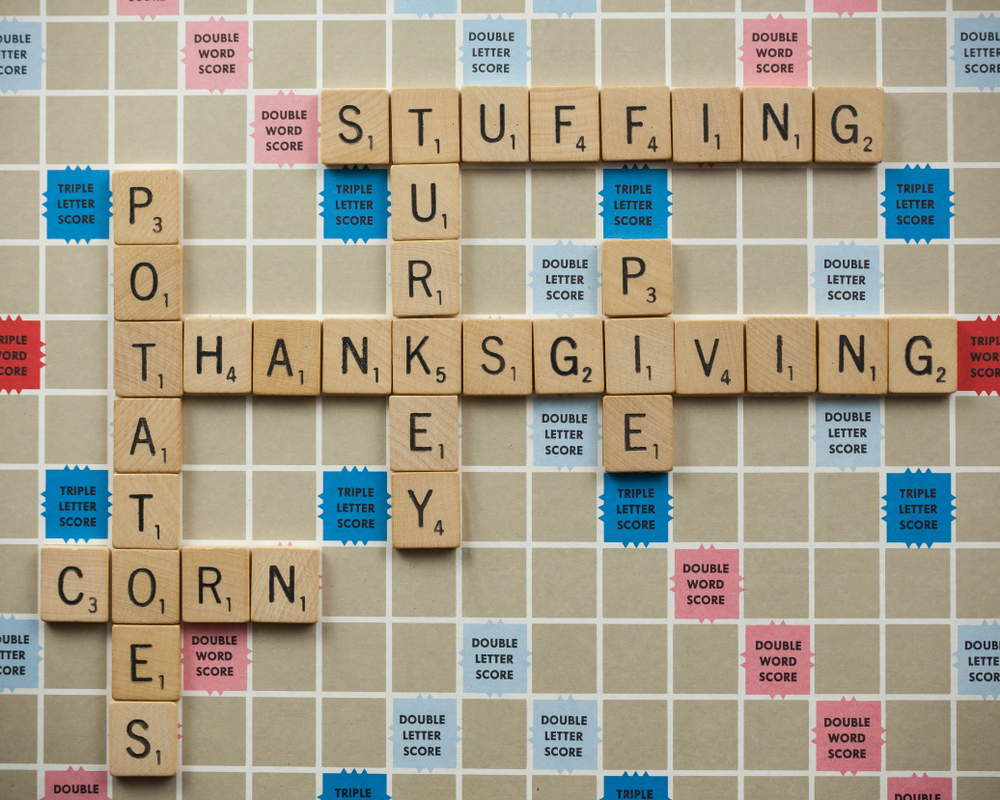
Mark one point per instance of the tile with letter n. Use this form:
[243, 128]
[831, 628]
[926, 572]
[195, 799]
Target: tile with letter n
[708, 356]
[427, 356]
[148, 359]
[639, 355]
[423, 433]
[426, 201]
[426, 510]
[75, 584]
[215, 584]
[638, 277]
[707, 125]
[147, 512]
[286, 356]
[218, 355]
[638, 433]
[146, 662]
[778, 124]
[425, 126]
[284, 584]
[147, 206]
[148, 435]
[849, 124]
[853, 355]
[923, 355]
[146, 587]
[635, 123]
[565, 123]
[357, 355]
[426, 279]
[569, 355]
[495, 124]
[496, 357]
[142, 739]
[355, 126]
[148, 282]
[781, 354]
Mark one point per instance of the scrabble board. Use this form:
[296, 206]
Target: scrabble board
[804, 608]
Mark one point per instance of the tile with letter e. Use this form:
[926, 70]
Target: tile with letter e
[357, 355]
[355, 126]
[853, 355]
[215, 584]
[423, 433]
[426, 201]
[286, 356]
[707, 125]
[142, 739]
[148, 359]
[426, 510]
[425, 126]
[923, 355]
[708, 356]
[637, 277]
[147, 206]
[639, 355]
[284, 584]
[849, 124]
[638, 433]
[495, 124]
[635, 123]
[218, 355]
[146, 587]
[75, 584]
[569, 355]
[778, 124]
[148, 282]
[565, 123]
[148, 435]
[781, 354]
[427, 356]
[496, 357]
[146, 512]
[426, 279]
[146, 662]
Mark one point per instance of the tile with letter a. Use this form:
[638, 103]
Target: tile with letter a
[147, 206]
[426, 510]
[286, 356]
[215, 584]
[638, 433]
[284, 584]
[849, 124]
[708, 356]
[146, 587]
[357, 355]
[355, 126]
[147, 511]
[426, 201]
[497, 357]
[707, 125]
[75, 584]
[778, 124]
[781, 354]
[148, 435]
[853, 355]
[923, 355]
[146, 662]
[635, 123]
[569, 355]
[425, 126]
[218, 355]
[142, 739]
[423, 433]
[495, 124]
[148, 359]
[148, 282]
[565, 123]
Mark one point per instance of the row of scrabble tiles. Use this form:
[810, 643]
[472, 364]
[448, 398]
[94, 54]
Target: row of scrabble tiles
[576, 355]
[514, 124]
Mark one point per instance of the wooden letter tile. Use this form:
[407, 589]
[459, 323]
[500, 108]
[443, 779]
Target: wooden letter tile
[427, 356]
[425, 126]
[148, 435]
[637, 277]
[923, 355]
[639, 355]
[357, 355]
[75, 585]
[284, 584]
[849, 124]
[708, 356]
[218, 355]
[565, 123]
[496, 357]
[148, 359]
[426, 510]
[286, 356]
[147, 206]
[142, 739]
[638, 433]
[423, 433]
[146, 512]
[569, 355]
[635, 123]
[148, 282]
[707, 125]
[853, 355]
[426, 201]
[495, 124]
[146, 662]
[215, 584]
[426, 280]
[355, 126]
[146, 587]
[781, 354]
[778, 124]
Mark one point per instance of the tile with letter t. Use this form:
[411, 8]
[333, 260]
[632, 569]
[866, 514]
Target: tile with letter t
[426, 510]
[426, 279]
[75, 584]
[781, 355]
[778, 124]
[147, 511]
[142, 739]
[148, 282]
[146, 662]
[565, 123]
[218, 355]
[569, 355]
[147, 206]
[215, 584]
[284, 584]
[707, 125]
[708, 356]
[423, 433]
[425, 126]
[357, 355]
[849, 124]
[638, 433]
[639, 355]
[355, 126]
[637, 277]
[146, 587]
[635, 123]
[426, 201]
[853, 355]
[148, 359]
[427, 356]
[923, 355]
[286, 356]
[495, 124]
[496, 357]
[148, 435]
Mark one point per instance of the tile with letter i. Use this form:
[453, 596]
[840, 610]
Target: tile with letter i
[425, 126]
[708, 356]
[565, 123]
[707, 125]
[147, 206]
[923, 355]
[146, 587]
[638, 433]
[146, 662]
[637, 277]
[639, 355]
[355, 126]
[849, 124]
[218, 355]
[357, 355]
[497, 357]
[778, 124]
[148, 435]
[215, 584]
[148, 282]
[148, 359]
[426, 510]
[286, 356]
[781, 354]
[423, 433]
[147, 511]
[427, 356]
[635, 123]
[853, 355]
[426, 279]
[142, 739]
[426, 201]
[569, 355]
[75, 584]
[495, 124]
[284, 584]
